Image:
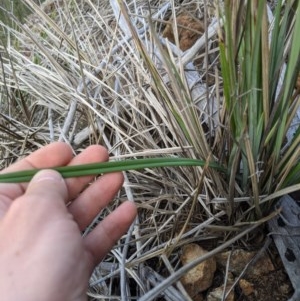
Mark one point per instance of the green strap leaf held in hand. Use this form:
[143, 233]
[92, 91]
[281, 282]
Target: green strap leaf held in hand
[107, 167]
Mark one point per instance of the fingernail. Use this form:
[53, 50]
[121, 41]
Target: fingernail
[47, 175]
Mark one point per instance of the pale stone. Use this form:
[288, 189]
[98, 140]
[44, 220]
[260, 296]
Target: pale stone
[246, 287]
[240, 258]
[217, 294]
[189, 30]
[200, 277]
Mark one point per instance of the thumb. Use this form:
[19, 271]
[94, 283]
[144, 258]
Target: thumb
[47, 188]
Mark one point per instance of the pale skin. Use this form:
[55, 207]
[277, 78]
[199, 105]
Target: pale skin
[42, 253]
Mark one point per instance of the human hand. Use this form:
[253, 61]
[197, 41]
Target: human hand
[42, 254]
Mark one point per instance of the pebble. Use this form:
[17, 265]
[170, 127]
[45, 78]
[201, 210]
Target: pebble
[200, 277]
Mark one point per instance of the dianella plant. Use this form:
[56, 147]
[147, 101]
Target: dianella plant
[198, 101]
[260, 60]
[243, 129]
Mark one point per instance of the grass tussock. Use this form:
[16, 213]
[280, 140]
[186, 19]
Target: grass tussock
[102, 72]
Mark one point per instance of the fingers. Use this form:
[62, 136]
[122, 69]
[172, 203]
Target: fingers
[92, 200]
[100, 241]
[55, 154]
[92, 154]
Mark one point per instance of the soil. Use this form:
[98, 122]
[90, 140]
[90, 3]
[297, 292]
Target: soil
[265, 284]
[274, 286]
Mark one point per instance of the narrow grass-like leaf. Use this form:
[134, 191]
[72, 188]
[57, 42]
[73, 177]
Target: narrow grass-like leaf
[253, 176]
[107, 167]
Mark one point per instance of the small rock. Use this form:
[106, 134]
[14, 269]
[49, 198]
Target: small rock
[200, 277]
[285, 289]
[189, 29]
[240, 258]
[217, 294]
[246, 287]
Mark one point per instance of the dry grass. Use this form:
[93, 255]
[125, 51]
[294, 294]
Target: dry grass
[79, 72]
